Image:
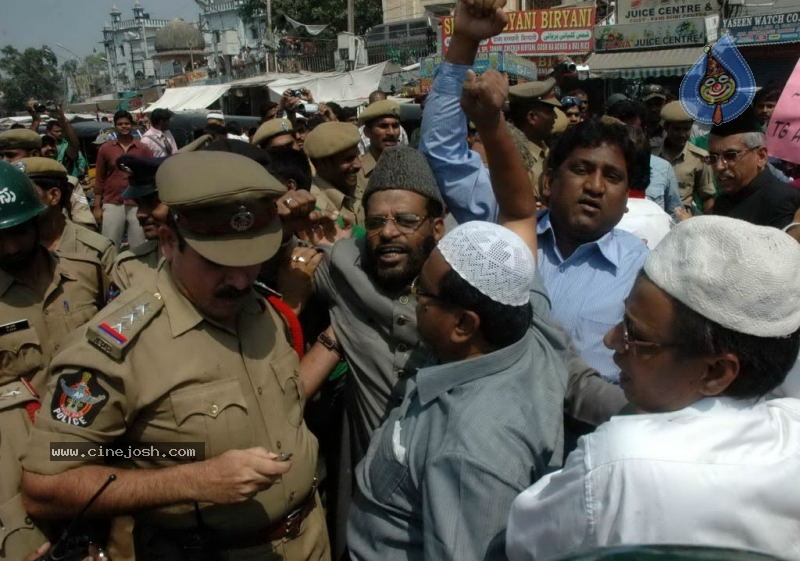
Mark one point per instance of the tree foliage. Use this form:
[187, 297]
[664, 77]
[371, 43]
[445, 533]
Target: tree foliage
[367, 13]
[32, 73]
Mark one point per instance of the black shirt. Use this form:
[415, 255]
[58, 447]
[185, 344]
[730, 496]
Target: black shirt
[767, 201]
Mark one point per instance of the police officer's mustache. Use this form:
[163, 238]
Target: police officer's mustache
[229, 292]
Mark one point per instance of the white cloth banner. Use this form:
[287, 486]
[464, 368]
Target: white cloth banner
[312, 29]
[333, 86]
[189, 98]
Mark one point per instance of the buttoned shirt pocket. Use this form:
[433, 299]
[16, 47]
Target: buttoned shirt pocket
[20, 353]
[293, 393]
[78, 317]
[214, 413]
[17, 528]
[389, 469]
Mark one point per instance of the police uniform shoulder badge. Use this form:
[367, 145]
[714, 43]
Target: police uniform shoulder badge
[114, 331]
[78, 398]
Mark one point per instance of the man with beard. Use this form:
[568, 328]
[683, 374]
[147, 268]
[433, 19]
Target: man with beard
[381, 121]
[587, 264]
[737, 153]
[43, 297]
[486, 417]
[333, 150]
[137, 266]
[199, 359]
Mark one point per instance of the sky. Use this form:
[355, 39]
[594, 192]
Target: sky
[75, 24]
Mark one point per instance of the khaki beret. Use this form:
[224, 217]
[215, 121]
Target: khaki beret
[561, 123]
[223, 206]
[330, 138]
[673, 112]
[25, 139]
[535, 91]
[42, 167]
[383, 108]
[272, 128]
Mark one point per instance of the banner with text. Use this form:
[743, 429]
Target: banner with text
[538, 32]
[783, 130]
[765, 29]
[647, 11]
[656, 35]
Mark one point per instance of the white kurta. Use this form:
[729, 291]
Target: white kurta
[718, 473]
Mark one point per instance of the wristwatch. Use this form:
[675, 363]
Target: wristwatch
[330, 344]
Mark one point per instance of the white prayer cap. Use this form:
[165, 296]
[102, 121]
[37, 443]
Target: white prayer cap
[492, 259]
[215, 115]
[739, 275]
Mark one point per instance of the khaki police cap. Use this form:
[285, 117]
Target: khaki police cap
[272, 128]
[535, 91]
[383, 108]
[673, 112]
[20, 139]
[42, 167]
[330, 138]
[223, 205]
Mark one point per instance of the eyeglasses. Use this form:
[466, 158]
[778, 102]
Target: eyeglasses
[634, 344]
[570, 101]
[727, 157]
[417, 291]
[406, 222]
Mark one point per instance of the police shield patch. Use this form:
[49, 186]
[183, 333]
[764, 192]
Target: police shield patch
[78, 399]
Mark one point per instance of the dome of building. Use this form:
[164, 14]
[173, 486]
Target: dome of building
[179, 36]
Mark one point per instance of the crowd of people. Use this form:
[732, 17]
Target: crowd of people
[520, 332]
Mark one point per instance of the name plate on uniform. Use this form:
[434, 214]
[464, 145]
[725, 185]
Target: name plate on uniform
[7, 328]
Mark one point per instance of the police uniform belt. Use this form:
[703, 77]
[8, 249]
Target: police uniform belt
[288, 528]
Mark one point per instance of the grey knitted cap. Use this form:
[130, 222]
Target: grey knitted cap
[403, 167]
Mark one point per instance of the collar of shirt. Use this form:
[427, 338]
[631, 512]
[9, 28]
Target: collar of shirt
[334, 195]
[183, 315]
[434, 381]
[607, 246]
[6, 280]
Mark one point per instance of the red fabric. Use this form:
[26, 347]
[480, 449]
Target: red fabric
[110, 181]
[295, 330]
[32, 407]
[634, 194]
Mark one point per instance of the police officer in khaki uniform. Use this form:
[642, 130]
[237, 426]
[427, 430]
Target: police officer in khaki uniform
[275, 133]
[532, 110]
[200, 359]
[381, 121]
[137, 266]
[57, 231]
[16, 144]
[695, 178]
[333, 150]
[43, 298]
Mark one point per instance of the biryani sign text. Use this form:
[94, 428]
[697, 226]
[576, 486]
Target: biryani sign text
[538, 32]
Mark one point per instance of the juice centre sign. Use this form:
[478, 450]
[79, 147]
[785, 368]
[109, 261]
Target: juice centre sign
[538, 32]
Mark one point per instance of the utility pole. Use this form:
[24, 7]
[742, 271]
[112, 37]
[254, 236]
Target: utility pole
[270, 39]
[351, 25]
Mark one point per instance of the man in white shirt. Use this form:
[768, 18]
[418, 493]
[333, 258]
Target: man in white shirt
[158, 137]
[712, 324]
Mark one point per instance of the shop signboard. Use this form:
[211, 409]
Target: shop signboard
[538, 32]
[648, 11]
[764, 29]
[656, 35]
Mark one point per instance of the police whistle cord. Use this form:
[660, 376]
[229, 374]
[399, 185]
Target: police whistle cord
[54, 554]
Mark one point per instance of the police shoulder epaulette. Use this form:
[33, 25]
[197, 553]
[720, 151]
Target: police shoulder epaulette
[93, 239]
[696, 149]
[113, 330]
[140, 250]
[79, 257]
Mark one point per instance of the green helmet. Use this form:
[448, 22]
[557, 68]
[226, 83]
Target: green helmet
[18, 199]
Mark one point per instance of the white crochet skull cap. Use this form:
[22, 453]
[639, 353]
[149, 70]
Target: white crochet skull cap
[739, 275]
[492, 259]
